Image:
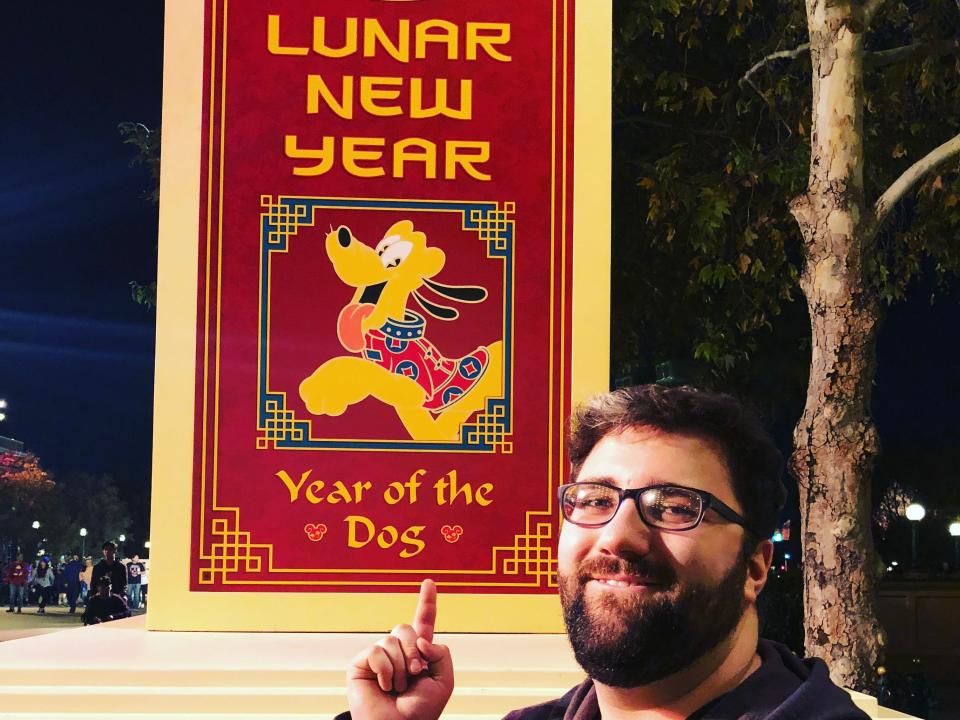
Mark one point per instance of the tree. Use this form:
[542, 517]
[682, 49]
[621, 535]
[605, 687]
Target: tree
[93, 502]
[25, 493]
[710, 251]
[836, 441]
[147, 144]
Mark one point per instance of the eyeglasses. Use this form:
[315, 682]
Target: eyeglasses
[670, 507]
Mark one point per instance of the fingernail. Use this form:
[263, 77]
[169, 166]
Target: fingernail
[415, 666]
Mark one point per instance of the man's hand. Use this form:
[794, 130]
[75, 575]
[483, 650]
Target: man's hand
[404, 676]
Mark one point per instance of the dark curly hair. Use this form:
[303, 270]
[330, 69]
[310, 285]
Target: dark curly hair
[754, 462]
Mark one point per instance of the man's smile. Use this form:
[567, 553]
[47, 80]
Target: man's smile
[634, 583]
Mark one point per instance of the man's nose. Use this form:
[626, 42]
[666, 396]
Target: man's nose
[626, 533]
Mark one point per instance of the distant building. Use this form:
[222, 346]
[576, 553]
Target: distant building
[10, 444]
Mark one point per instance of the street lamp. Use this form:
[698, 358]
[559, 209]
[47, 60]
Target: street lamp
[83, 542]
[36, 525]
[954, 531]
[122, 538]
[3, 406]
[915, 513]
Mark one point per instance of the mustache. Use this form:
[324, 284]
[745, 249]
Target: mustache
[644, 567]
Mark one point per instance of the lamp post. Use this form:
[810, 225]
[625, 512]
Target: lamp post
[954, 531]
[915, 513]
[83, 542]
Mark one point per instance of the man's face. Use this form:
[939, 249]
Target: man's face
[136, 558]
[109, 554]
[642, 603]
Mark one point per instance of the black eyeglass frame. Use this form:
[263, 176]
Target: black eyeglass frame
[708, 501]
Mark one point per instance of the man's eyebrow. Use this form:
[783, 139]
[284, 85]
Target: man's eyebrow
[613, 482]
[600, 479]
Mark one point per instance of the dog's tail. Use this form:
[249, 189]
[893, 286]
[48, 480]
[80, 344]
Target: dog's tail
[458, 293]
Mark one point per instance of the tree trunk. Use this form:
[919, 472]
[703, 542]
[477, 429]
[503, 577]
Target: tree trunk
[836, 441]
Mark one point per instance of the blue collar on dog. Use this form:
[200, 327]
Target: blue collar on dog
[410, 328]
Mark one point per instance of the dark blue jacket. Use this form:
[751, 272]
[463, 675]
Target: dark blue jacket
[784, 688]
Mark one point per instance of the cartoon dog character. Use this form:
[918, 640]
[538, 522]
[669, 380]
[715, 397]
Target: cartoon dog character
[393, 360]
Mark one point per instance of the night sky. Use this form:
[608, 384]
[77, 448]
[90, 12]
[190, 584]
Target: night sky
[76, 354]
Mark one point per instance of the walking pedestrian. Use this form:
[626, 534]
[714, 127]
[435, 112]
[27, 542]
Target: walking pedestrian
[15, 576]
[135, 570]
[112, 568]
[86, 577]
[71, 580]
[43, 579]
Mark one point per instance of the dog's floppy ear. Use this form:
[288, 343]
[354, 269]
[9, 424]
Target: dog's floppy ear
[461, 293]
[441, 312]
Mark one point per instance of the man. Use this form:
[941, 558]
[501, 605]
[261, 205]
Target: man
[71, 579]
[135, 570]
[15, 575]
[110, 567]
[664, 549]
[104, 606]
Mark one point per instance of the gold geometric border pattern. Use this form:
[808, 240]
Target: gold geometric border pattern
[231, 550]
[532, 551]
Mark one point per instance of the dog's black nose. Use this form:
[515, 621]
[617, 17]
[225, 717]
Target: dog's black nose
[343, 235]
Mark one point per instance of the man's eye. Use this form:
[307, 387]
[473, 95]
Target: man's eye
[681, 510]
[598, 502]
[593, 501]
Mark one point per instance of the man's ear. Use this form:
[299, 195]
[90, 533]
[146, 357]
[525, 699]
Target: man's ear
[758, 569]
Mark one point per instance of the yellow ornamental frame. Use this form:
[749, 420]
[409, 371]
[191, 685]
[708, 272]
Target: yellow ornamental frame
[173, 606]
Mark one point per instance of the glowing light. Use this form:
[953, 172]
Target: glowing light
[778, 536]
[916, 512]
[954, 529]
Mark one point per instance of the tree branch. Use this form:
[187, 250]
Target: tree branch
[641, 120]
[870, 8]
[911, 176]
[882, 58]
[779, 55]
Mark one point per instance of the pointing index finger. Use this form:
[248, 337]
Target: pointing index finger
[425, 615]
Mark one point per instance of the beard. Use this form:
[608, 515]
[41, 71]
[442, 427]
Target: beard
[634, 640]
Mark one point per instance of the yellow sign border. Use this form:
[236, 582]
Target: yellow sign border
[172, 605]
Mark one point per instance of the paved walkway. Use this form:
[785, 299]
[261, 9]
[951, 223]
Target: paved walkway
[27, 622]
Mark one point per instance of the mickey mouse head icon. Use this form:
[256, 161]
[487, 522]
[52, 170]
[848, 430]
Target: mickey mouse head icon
[451, 533]
[315, 532]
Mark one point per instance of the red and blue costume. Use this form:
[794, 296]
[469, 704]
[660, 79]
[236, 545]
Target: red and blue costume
[400, 347]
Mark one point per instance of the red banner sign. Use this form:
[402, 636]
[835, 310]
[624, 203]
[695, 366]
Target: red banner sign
[384, 305]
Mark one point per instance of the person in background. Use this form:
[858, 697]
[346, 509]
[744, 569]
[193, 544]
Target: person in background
[43, 579]
[104, 606]
[111, 567]
[86, 577]
[135, 570]
[71, 580]
[59, 594]
[15, 576]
